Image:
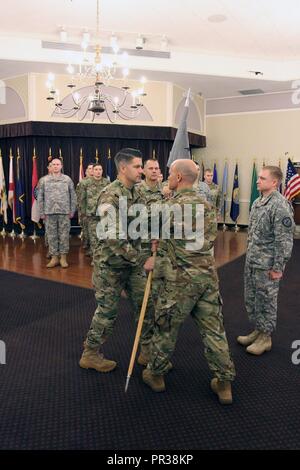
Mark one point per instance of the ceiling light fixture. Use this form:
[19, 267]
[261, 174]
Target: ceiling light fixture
[102, 97]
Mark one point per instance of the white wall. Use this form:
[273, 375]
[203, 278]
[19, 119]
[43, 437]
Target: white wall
[241, 138]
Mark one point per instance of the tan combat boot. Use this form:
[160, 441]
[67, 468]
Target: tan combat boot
[144, 356]
[91, 359]
[262, 343]
[156, 382]
[249, 339]
[63, 261]
[53, 262]
[222, 388]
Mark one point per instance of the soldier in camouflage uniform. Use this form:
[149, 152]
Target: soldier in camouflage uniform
[150, 191]
[90, 193]
[118, 263]
[57, 204]
[190, 287]
[48, 256]
[80, 189]
[210, 191]
[270, 243]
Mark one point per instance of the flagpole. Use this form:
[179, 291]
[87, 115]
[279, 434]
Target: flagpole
[3, 231]
[224, 193]
[13, 233]
[224, 209]
[3, 188]
[34, 236]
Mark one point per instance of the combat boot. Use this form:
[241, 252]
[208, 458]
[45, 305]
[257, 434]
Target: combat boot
[91, 359]
[63, 261]
[262, 343]
[222, 388]
[144, 356]
[249, 339]
[156, 382]
[53, 262]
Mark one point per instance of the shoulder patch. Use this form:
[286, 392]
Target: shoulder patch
[287, 222]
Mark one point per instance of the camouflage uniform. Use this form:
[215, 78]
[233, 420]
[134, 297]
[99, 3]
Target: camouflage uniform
[190, 287]
[118, 265]
[89, 202]
[212, 194]
[80, 189]
[57, 200]
[270, 243]
[151, 195]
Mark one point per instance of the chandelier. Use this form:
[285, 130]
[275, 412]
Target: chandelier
[101, 98]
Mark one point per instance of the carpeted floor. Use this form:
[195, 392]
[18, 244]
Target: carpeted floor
[48, 402]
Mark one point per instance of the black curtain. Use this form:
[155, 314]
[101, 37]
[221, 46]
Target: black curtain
[67, 140]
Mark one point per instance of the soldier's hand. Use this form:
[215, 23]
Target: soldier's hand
[274, 275]
[149, 264]
[71, 215]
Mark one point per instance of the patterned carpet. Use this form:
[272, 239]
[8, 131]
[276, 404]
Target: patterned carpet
[48, 402]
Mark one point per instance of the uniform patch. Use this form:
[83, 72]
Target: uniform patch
[286, 221]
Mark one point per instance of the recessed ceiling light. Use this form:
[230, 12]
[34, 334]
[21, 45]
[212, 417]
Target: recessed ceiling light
[217, 18]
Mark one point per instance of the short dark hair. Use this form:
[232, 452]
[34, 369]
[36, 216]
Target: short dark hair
[90, 164]
[97, 164]
[126, 155]
[275, 172]
[151, 160]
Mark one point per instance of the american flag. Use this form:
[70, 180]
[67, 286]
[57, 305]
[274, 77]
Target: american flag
[292, 182]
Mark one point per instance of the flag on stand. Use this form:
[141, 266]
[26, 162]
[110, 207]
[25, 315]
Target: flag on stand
[235, 203]
[3, 196]
[35, 211]
[81, 172]
[224, 190]
[11, 187]
[254, 190]
[215, 174]
[181, 146]
[20, 194]
[292, 182]
[109, 174]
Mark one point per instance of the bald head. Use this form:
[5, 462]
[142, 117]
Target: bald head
[183, 173]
